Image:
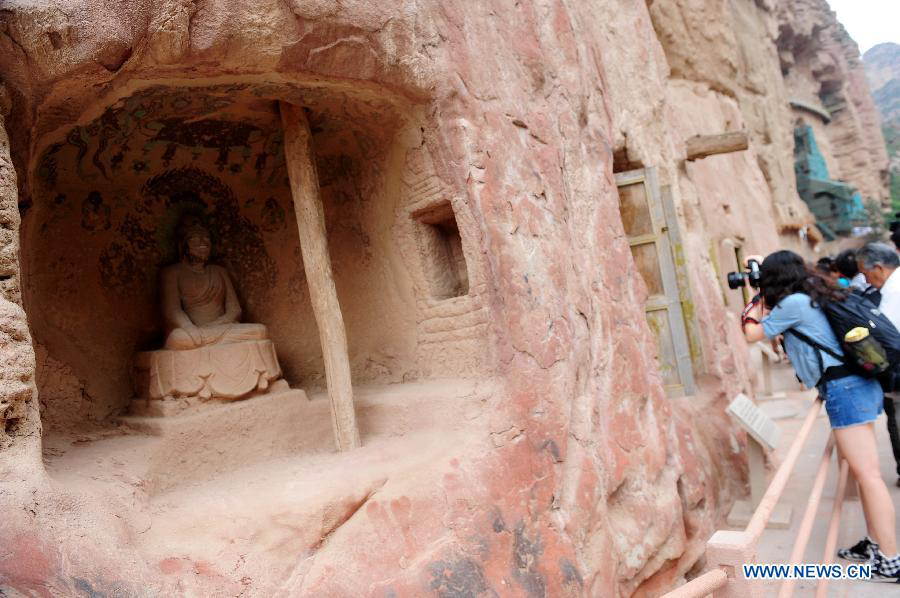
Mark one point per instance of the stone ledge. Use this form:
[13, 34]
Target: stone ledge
[220, 438]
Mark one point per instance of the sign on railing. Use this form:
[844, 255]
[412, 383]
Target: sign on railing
[763, 434]
[759, 425]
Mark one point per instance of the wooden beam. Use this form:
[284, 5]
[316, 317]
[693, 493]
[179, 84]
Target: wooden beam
[304, 182]
[701, 146]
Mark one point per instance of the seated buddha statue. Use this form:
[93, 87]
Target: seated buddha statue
[208, 352]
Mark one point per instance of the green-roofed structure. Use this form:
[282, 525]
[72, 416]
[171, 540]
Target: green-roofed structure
[837, 206]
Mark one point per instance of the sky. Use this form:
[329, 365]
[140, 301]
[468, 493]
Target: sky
[869, 22]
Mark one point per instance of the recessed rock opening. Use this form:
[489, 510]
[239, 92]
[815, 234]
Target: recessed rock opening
[622, 162]
[110, 193]
[442, 252]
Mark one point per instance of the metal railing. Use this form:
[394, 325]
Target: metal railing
[728, 550]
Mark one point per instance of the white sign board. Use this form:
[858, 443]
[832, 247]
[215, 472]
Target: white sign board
[757, 423]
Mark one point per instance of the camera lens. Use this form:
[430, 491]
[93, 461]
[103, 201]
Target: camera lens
[735, 280]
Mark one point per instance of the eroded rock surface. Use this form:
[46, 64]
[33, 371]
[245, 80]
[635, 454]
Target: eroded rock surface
[883, 71]
[490, 131]
[18, 421]
[822, 67]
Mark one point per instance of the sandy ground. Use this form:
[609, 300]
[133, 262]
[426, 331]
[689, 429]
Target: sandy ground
[258, 525]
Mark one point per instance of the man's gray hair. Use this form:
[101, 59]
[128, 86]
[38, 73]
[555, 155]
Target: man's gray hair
[873, 254]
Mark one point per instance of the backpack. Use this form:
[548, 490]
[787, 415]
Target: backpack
[871, 293]
[857, 311]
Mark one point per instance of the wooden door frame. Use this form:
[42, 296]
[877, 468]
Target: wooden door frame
[660, 237]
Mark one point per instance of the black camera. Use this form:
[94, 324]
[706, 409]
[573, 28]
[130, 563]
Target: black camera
[736, 279]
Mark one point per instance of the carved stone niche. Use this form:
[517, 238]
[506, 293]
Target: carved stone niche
[440, 245]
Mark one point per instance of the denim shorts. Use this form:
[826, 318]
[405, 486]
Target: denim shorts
[852, 400]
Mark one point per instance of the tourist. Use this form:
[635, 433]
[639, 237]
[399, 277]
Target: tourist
[825, 267]
[895, 237]
[789, 294]
[845, 264]
[879, 262]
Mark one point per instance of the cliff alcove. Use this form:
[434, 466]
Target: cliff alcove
[107, 193]
[509, 387]
[116, 186]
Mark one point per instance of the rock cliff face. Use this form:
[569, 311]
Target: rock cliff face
[18, 415]
[883, 70]
[575, 474]
[822, 69]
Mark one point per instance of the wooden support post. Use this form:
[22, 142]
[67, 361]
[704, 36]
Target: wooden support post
[304, 181]
[700, 146]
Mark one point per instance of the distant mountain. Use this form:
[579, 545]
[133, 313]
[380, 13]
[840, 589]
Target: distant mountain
[883, 71]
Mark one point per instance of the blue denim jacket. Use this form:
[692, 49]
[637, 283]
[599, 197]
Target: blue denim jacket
[796, 311]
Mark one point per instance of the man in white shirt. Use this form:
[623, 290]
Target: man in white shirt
[879, 263]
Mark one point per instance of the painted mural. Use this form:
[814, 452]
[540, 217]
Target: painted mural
[178, 151]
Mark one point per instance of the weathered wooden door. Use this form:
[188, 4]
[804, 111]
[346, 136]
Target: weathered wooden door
[648, 234]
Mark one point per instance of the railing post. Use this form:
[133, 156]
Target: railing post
[729, 550]
[756, 463]
[766, 375]
[834, 523]
[852, 488]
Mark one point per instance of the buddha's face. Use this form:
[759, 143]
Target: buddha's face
[199, 246]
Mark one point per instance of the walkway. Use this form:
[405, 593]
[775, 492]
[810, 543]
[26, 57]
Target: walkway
[775, 545]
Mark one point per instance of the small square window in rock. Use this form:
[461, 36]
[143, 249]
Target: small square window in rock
[442, 253]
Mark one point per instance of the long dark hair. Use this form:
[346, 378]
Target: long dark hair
[784, 272]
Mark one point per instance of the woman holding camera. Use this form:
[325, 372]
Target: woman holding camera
[789, 299]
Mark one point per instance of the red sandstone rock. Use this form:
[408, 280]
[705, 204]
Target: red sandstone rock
[823, 68]
[557, 466]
